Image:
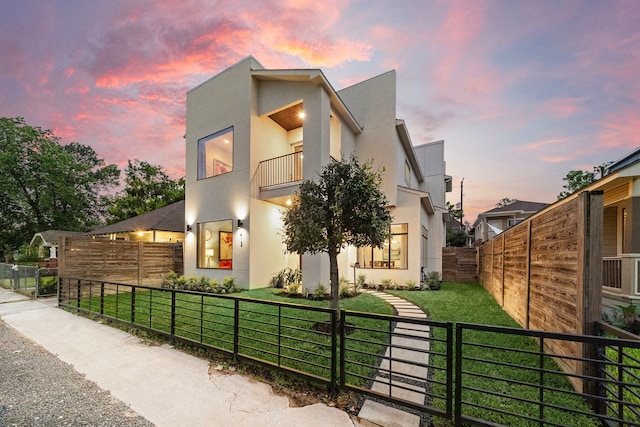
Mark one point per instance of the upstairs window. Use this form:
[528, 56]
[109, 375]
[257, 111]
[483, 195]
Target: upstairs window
[215, 154]
[407, 172]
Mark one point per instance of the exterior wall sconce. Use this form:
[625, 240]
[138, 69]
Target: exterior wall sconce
[189, 229]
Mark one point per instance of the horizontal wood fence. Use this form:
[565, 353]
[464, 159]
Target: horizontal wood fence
[459, 265]
[123, 261]
[546, 273]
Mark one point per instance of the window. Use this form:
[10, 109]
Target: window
[215, 154]
[215, 244]
[513, 221]
[407, 172]
[393, 254]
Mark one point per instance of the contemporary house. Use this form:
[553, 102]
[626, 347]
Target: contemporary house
[493, 222]
[165, 224]
[252, 136]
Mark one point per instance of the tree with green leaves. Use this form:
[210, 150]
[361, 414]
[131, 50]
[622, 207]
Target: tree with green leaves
[46, 185]
[505, 201]
[574, 181]
[345, 206]
[147, 188]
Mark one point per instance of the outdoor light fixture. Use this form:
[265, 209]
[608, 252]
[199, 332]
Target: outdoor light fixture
[189, 229]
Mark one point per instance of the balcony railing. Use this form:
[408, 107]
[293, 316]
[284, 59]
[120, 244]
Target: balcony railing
[612, 272]
[280, 170]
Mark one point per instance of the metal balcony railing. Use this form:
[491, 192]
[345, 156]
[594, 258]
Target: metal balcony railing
[612, 272]
[280, 170]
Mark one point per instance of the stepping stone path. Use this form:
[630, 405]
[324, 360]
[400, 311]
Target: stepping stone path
[403, 373]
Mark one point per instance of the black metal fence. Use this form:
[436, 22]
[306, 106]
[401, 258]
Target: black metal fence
[466, 377]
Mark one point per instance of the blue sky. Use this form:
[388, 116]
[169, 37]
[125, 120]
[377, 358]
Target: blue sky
[521, 91]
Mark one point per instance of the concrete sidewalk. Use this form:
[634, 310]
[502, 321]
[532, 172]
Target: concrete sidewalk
[164, 385]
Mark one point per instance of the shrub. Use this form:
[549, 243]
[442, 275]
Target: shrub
[388, 284]
[200, 284]
[285, 277]
[345, 290]
[361, 282]
[320, 293]
[48, 285]
[293, 289]
[411, 284]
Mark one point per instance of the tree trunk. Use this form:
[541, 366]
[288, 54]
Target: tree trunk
[333, 277]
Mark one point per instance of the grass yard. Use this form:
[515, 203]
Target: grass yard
[280, 335]
[472, 304]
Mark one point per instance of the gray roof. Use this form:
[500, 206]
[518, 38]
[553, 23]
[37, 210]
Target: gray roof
[627, 160]
[167, 218]
[518, 206]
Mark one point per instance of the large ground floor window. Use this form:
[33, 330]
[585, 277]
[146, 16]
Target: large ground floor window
[215, 244]
[393, 254]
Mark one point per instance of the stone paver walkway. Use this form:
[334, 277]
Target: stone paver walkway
[409, 345]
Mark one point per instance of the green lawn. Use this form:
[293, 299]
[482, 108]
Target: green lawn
[285, 336]
[472, 304]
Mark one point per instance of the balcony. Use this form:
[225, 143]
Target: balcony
[280, 171]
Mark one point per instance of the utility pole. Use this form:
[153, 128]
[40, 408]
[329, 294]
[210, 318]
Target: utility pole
[461, 205]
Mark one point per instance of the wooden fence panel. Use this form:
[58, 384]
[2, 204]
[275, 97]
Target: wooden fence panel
[497, 269]
[459, 265]
[122, 261]
[546, 273]
[515, 283]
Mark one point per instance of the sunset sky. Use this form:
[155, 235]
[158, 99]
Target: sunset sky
[521, 91]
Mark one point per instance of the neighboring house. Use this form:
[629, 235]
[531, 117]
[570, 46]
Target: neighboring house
[165, 224]
[493, 222]
[254, 134]
[621, 233]
[47, 241]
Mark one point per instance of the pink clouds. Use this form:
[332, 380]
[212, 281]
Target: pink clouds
[562, 108]
[543, 84]
[620, 130]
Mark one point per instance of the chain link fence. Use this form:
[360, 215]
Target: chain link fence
[31, 280]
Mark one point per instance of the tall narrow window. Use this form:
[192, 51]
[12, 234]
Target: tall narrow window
[393, 254]
[215, 154]
[407, 172]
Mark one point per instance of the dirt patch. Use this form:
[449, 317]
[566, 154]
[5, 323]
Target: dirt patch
[325, 327]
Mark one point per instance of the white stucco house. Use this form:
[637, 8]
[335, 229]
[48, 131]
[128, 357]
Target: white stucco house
[253, 134]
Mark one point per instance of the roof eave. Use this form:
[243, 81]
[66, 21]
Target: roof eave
[316, 77]
[405, 139]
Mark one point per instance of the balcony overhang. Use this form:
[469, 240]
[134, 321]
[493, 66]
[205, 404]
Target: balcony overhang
[280, 194]
[316, 77]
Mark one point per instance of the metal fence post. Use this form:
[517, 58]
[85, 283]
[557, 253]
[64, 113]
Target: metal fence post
[133, 305]
[173, 313]
[236, 329]
[334, 349]
[343, 348]
[37, 278]
[101, 298]
[78, 297]
[449, 392]
[458, 377]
